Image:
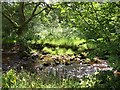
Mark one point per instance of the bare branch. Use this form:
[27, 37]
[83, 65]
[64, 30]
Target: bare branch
[35, 9]
[15, 25]
[40, 12]
[33, 13]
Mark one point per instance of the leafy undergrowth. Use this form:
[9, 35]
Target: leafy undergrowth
[24, 79]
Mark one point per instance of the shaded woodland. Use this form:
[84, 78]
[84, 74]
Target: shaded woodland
[61, 45]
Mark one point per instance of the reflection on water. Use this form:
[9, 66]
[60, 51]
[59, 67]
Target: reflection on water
[73, 70]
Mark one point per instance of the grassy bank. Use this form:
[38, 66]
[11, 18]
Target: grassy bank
[24, 79]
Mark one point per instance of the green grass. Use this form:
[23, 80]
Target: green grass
[57, 50]
[62, 41]
[73, 42]
[28, 80]
[25, 79]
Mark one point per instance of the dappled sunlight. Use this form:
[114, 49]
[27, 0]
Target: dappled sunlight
[60, 45]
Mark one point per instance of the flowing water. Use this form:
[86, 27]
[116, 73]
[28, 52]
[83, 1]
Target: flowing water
[73, 70]
[60, 70]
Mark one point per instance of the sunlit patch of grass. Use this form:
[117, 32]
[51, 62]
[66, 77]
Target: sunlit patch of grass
[58, 50]
[63, 41]
[83, 46]
[59, 45]
[69, 51]
[46, 49]
[63, 45]
[78, 41]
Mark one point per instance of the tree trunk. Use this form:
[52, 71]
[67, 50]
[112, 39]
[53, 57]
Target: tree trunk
[21, 19]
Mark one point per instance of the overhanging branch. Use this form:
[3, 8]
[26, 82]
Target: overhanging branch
[35, 9]
[33, 13]
[15, 25]
[40, 12]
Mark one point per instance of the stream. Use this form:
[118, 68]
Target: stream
[58, 65]
[73, 70]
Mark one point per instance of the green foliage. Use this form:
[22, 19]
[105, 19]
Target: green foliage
[9, 79]
[67, 21]
[114, 61]
[90, 20]
[70, 28]
[24, 79]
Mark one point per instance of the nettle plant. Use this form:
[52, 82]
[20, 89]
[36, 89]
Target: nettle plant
[9, 79]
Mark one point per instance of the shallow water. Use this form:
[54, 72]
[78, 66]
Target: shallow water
[55, 65]
[73, 70]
